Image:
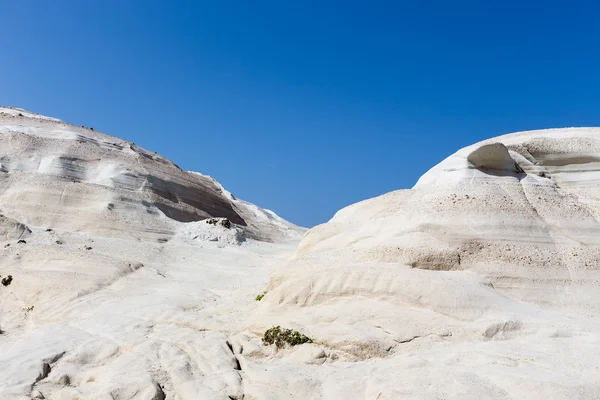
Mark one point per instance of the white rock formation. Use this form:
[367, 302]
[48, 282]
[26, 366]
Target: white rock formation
[480, 282]
[121, 289]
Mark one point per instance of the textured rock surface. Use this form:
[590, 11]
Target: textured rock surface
[480, 282]
[112, 296]
[59, 175]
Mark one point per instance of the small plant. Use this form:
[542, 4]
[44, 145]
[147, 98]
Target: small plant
[260, 296]
[216, 221]
[281, 337]
[7, 281]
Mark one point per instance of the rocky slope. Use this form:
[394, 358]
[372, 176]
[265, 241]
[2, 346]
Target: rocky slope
[128, 274]
[480, 282]
[132, 279]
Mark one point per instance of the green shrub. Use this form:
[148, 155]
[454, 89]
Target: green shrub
[260, 296]
[223, 222]
[281, 337]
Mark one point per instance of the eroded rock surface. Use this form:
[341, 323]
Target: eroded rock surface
[136, 280]
[112, 297]
[479, 278]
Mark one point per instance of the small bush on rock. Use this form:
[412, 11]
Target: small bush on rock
[260, 296]
[281, 337]
[7, 281]
[217, 221]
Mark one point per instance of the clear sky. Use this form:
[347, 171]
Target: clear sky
[304, 107]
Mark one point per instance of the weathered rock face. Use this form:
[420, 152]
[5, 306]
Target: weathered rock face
[122, 275]
[501, 240]
[60, 175]
[521, 211]
[11, 229]
[480, 282]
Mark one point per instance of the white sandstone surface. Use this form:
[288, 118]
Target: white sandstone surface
[121, 289]
[480, 282]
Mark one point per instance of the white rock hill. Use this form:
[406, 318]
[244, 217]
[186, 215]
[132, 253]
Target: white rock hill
[480, 282]
[121, 289]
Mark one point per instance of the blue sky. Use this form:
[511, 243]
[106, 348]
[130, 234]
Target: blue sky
[304, 107]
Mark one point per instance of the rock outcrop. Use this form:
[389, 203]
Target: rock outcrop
[60, 175]
[498, 242]
[132, 279]
[116, 282]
